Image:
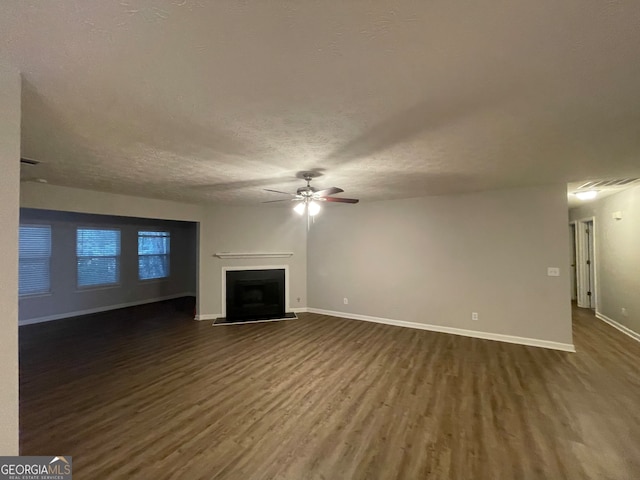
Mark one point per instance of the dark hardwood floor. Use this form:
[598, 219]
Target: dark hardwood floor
[148, 393]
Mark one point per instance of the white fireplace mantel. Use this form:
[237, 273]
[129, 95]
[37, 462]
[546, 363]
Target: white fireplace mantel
[253, 254]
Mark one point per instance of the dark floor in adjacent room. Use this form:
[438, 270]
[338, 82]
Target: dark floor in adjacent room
[149, 393]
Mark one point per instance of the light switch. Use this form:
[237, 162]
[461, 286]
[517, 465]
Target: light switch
[553, 272]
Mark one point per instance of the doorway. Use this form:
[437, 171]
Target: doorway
[585, 262]
[573, 254]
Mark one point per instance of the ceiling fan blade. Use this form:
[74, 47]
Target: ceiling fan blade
[328, 191]
[339, 200]
[278, 191]
[273, 201]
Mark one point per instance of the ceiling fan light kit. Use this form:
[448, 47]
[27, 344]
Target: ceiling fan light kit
[308, 198]
[313, 208]
[310, 206]
[299, 208]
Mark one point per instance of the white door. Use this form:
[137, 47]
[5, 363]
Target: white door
[586, 270]
[591, 264]
[572, 250]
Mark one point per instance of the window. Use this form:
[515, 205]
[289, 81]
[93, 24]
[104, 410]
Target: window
[98, 256]
[153, 254]
[34, 259]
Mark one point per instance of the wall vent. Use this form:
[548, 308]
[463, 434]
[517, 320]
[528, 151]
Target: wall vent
[28, 161]
[620, 182]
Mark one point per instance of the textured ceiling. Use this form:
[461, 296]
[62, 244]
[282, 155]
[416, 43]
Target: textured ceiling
[205, 101]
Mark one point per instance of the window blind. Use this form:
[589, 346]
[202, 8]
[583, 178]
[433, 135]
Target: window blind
[153, 254]
[98, 256]
[34, 274]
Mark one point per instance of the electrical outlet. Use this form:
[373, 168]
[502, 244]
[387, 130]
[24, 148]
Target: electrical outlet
[345, 300]
[624, 312]
[474, 315]
[298, 299]
[553, 272]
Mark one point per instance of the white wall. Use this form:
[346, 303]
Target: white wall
[617, 255]
[10, 89]
[66, 300]
[435, 260]
[250, 229]
[52, 197]
[430, 261]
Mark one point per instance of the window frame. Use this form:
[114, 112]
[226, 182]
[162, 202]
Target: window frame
[167, 255]
[96, 286]
[49, 227]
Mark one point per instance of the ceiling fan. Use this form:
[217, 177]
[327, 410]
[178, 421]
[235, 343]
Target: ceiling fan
[308, 198]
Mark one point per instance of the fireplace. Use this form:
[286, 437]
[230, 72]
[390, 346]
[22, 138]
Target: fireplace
[255, 294]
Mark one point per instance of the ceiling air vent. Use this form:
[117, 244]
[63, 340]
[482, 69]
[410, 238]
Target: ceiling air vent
[27, 161]
[620, 182]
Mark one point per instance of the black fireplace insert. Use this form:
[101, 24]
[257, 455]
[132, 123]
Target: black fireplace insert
[255, 294]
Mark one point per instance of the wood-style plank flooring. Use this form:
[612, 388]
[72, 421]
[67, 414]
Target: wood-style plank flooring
[148, 393]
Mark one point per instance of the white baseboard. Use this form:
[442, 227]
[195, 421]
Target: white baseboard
[299, 310]
[619, 326]
[77, 313]
[532, 342]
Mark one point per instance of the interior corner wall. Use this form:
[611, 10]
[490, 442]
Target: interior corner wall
[10, 114]
[250, 229]
[617, 244]
[435, 260]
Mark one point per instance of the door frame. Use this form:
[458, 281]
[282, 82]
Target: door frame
[573, 266]
[582, 269]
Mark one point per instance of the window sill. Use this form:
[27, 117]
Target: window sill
[28, 296]
[98, 287]
[153, 280]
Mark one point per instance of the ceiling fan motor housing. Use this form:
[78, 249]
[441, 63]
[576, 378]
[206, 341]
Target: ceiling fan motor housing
[306, 191]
